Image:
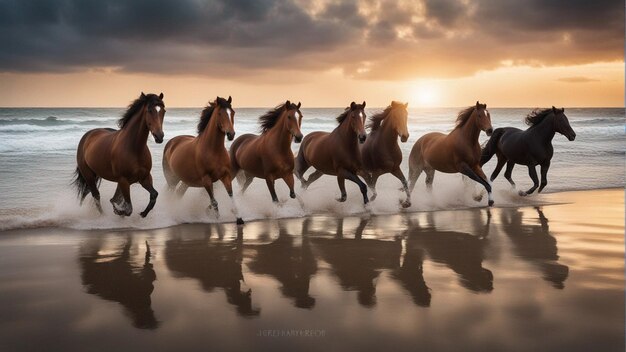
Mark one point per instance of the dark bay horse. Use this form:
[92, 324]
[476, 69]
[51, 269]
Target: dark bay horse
[531, 147]
[381, 153]
[121, 156]
[457, 151]
[268, 156]
[335, 153]
[203, 160]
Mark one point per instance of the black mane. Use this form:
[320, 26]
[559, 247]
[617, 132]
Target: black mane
[536, 116]
[137, 105]
[269, 119]
[207, 112]
[343, 115]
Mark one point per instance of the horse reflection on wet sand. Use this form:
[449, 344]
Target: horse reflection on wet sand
[215, 264]
[115, 277]
[292, 266]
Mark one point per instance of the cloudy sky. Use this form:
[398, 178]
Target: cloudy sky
[325, 53]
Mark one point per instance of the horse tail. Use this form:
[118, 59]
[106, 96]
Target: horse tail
[82, 188]
[492, 145]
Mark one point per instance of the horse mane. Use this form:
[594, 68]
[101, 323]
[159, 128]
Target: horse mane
[376, 120]
[269, 119]
[135, 107]
[343, 115]
[536, 116]
[464, 115]
[207, 112]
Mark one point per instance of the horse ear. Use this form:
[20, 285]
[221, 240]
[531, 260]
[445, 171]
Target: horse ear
[553, 109]
[230, 99]
[352, 105]
[406, 105]
[142, 95]
[287, 104]
[477, 104]
[363, 104]
[562, 110]
[299, 104]
[161, 96]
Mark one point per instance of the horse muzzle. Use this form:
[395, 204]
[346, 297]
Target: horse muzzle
[571, 136]
[362, 138]
[158, 137]
[297, 137]
[230, 135]
[489, 131]
[404, 138]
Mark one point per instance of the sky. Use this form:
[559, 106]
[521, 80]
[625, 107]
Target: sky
[429, 53]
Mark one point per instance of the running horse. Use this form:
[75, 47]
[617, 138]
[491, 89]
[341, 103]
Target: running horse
[455, 152]
[268, 156]
[122, 155]
[531, 147]
[203, 160]
[381, 153]
[335, 153]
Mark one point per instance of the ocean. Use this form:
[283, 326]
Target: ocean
[38, 151]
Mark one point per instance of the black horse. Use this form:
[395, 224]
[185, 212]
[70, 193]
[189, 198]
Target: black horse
[531, 147]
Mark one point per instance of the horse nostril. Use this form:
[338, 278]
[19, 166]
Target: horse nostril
[362, 138]
[298, 138]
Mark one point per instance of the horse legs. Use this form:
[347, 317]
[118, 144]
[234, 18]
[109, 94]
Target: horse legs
[208, 186]
[509, 170]
[300, 168]
[533, 175]
[91, 179]
[477, 175]
[121, 199]
[180, 192]
[313, 177]
[245, 180]
[496, 171]
[354, 178]
[227, 181]
[289, 181]
[430, 177]
[146, 183]
[544, 175]
[371, 183]
[399, 175]
[414, 174]
[341, 181]
[270, 186]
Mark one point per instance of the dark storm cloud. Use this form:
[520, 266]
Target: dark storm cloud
[397, 39]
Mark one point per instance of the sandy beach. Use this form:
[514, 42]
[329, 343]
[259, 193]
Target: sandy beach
[547, 278]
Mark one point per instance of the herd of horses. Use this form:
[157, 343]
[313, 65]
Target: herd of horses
[347, 152]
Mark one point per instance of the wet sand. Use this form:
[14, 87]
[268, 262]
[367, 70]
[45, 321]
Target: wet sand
[547, 278]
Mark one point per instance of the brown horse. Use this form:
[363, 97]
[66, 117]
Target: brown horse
[458, 151]
[381, 153]
[203, 160]
[269, 155]
[121, 156]
[335, 153]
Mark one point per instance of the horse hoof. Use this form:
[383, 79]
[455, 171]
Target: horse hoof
[373, 197]
[143, 214]
[292, 195]
[522, 193]
[491, 203]
[341, 200]
[478, 198]
[405, 204]
[240, 221]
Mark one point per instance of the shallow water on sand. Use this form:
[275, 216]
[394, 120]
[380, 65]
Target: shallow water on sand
[516, 279]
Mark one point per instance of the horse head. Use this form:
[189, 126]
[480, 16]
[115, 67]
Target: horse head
[293, 120]
[401, 120]
[356, 118]
[483, 118]
[225, 116]
[561, 124]
[154, 112]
